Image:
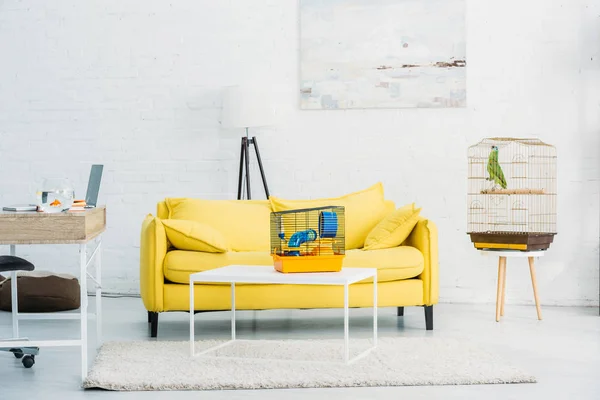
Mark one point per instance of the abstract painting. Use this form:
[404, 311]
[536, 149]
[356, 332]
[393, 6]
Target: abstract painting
[382, 54]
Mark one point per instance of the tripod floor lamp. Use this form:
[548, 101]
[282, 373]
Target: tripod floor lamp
[244, 107]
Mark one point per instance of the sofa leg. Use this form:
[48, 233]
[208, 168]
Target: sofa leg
[400, 312]
[429, 318]
[153, 318]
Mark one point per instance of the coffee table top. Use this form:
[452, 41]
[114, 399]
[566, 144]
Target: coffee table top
[267, 274]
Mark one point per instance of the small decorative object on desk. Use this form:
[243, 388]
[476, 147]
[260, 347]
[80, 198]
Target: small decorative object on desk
[55, 196]
[78, 205]
[308, 240]
[512, 194]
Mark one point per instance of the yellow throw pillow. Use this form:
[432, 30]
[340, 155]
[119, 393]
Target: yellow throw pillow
[393, 230]
[196, 236]
[363, 210]
[245, 223]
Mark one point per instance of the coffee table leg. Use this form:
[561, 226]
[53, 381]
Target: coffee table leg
[192, 317]
[375, 311]
[346, 352]
[232, 310]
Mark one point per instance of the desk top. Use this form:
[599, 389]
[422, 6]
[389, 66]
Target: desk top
[31, 227]
[35, 214]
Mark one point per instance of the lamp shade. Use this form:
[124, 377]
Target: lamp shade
[247, 106]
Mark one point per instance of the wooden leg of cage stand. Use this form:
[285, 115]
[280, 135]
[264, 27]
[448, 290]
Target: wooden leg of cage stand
[499, 290]
[503, 286]
[534, 284]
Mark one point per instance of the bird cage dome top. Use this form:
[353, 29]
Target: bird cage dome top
[506, 140]
[512, 189]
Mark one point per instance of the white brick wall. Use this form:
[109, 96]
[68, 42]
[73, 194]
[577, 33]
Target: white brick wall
[136, 85]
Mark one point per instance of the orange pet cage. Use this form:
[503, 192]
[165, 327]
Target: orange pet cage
[308, 240]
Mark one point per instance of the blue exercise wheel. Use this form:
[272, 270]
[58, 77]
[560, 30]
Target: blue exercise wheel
[328, 224]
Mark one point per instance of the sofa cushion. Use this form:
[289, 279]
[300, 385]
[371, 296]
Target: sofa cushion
[243, 223]
[393, 230]
[363, 210]
[393, 264]
[191, 235]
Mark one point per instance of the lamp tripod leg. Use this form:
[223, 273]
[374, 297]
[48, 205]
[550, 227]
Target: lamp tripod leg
[260, 165]
[247, 163]
[239, 195]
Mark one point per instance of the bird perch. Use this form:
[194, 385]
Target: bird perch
[513, 191]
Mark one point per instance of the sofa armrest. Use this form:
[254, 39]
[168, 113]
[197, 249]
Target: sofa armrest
[424, 237]
[153, 249]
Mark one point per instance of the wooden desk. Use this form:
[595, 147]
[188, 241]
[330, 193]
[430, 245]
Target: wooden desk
[77, 227]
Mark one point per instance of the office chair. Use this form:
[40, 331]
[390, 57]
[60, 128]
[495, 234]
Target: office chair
[10, 264]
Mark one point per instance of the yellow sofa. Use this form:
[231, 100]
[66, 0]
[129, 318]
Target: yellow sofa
[407, 274]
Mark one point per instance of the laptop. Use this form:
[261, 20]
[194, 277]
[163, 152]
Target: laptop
[91, 197]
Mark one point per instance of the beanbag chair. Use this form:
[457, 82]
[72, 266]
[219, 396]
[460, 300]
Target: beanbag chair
[41, 291]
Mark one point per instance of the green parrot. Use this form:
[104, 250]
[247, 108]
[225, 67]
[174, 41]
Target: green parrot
[494, 168]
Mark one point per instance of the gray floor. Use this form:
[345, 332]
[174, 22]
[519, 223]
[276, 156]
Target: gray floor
[562, 351]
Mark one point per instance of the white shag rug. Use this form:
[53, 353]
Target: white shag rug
[156, 365]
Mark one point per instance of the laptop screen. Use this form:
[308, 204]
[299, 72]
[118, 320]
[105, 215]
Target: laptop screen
[91, 197]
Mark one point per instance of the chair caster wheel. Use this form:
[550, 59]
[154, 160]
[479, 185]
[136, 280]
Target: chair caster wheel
[18, 353]
[28, 361]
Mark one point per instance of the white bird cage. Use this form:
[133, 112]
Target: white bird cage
[519, 211]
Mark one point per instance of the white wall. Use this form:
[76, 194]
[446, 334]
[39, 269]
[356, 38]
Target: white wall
[136, 85]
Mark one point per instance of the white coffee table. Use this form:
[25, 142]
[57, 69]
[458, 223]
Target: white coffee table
[267, 275]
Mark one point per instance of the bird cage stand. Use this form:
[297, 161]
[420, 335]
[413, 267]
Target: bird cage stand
[502, 261]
